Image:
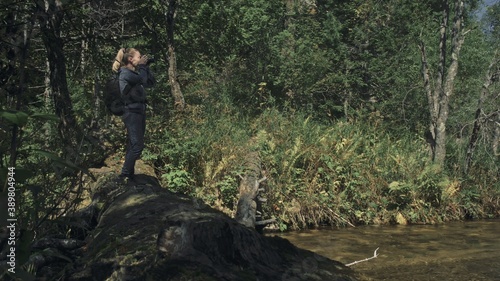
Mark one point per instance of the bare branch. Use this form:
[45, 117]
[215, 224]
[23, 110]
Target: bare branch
[265, 222]
[262, 179]
[367, 259]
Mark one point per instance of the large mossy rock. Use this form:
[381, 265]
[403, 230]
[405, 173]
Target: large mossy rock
[145, 232]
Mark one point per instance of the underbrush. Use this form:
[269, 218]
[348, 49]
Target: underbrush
[346, 173]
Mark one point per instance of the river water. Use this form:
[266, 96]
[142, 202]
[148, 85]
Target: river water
[458, 251]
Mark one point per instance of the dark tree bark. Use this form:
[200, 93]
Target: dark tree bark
[50, 18]
[20, 41]
[18, 27]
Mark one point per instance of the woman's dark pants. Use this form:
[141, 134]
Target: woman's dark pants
[136, 128]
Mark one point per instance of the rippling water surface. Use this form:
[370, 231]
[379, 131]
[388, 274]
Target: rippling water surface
[459, 251]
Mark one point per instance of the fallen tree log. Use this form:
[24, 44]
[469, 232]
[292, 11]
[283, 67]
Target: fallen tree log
[145, 232]
[149, 233]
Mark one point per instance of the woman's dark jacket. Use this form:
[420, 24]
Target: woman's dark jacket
[132, 84]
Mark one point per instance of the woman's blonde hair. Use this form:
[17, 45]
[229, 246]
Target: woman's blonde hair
[121, 58]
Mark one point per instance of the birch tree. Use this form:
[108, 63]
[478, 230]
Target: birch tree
[440, 89]
[172, 61]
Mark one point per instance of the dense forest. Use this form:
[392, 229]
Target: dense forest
[362, 112]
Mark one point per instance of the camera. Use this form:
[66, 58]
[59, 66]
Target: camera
[150, 61]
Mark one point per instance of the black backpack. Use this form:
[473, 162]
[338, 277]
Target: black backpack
[112, 96]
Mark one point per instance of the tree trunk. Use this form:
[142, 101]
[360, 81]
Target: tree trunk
[50, 19]
[172, 67]
[145, 232]
[478, 121]
[19, 43]
[496, 137]
[22, 50]
[439, 95]
[430, 100]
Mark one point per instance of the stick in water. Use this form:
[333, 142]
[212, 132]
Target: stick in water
[367, 259]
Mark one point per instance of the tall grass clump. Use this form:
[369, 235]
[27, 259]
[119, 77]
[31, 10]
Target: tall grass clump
[351, 173]
[480, 186]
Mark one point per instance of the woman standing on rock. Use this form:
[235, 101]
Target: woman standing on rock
[134, 76]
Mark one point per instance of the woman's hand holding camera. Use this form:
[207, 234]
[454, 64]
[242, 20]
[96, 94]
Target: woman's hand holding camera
[144, 59]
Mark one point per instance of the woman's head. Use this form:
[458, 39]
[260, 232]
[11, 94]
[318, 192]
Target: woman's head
[128, 57]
